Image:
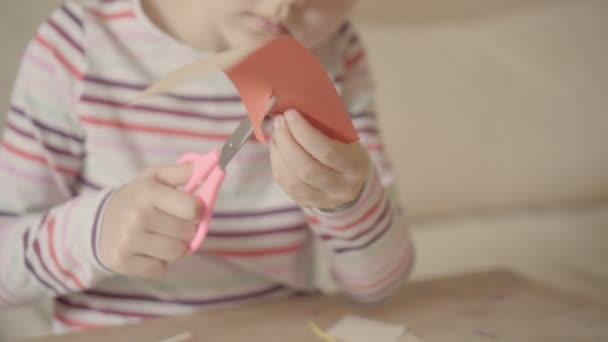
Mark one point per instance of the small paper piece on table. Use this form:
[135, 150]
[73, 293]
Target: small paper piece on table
[185, 336]
[410, 338]
[356, 329]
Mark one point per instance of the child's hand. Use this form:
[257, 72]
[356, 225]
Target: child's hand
[316, 171]
[149, 223]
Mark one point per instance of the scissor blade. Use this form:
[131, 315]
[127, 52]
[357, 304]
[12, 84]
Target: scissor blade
[240, 136]
[235, 142]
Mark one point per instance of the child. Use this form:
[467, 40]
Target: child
[91, 212]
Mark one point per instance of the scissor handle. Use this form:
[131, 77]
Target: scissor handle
[207, 177]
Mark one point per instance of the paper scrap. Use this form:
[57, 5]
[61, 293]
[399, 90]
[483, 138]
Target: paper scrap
[357, 329]
[185, 336]
[320, 333]
[281, 67]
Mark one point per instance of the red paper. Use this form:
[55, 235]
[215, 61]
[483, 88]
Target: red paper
[285, 68]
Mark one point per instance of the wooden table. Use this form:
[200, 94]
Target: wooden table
[492, 306]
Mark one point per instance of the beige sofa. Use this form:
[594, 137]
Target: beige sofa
[496, 116]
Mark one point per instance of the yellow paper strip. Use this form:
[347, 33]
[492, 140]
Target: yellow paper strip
[196, 70]
[320, 333]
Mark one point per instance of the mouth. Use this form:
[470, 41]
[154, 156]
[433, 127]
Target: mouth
[265, 25]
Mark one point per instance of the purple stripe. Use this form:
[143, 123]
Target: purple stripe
[45, 267]
[44, 127]
[382, 216]
[339, 79]
[89, 183]
[344, 28]
[353, 40]
[95, 228]
[238, 234]
[29, 265]
[244, 214]
[368, 130]
[7, 214]
[20, 131]
[66, 302]
[141, 87]
[161, 110]
[368, 243]
[46, 145]
[114, 84]
[196, 302]
[66, 36]
[72, 16]
[362, 115]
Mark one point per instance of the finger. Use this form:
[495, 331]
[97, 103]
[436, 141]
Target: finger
[328, 151]
[305, 167]
[299, 191]
[146, 267]
[173, 174]
[171, 227]
[176, 202]
[160, 247]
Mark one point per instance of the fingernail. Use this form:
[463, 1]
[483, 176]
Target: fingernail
[278, 121]
[290, 114]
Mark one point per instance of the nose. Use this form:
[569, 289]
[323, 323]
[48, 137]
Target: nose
[297, 2]
[282, 8]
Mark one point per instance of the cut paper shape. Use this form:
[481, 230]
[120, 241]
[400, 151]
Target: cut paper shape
[357, 329]
[285, 68]
[281, 67]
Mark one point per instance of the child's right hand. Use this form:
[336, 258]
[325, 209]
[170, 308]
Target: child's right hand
[149, 223]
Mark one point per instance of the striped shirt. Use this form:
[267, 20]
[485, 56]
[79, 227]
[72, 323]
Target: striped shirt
[70, 140]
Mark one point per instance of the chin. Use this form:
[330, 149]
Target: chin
[243, 38]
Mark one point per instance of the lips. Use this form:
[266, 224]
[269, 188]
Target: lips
[266, 25]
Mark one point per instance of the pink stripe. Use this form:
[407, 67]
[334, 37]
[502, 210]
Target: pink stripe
[55, 92]
[398, 240]
[393, 273]
[366, 215]
[59, 56]
[386, 212]
[165, 150]
[53, 251]
[358, 279]
[39, 62]
[76, 324]
[36, 178]
[44, 65]
[67, 236]
[363, 203]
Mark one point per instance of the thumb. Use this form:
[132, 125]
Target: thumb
[173, 174]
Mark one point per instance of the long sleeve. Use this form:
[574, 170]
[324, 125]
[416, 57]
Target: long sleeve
[47, 226]
[369, 248]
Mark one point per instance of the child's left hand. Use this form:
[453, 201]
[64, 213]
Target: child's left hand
[316, 171]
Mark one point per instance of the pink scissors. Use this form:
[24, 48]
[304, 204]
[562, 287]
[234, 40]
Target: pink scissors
[210, 170]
